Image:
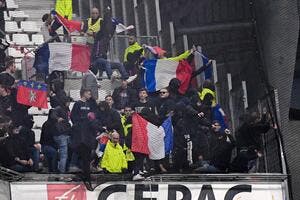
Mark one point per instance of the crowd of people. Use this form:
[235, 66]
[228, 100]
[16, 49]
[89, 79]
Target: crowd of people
[97, 135]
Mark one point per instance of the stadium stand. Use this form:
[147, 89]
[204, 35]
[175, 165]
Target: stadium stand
[22, 39]
[29, 27]
[12, 27]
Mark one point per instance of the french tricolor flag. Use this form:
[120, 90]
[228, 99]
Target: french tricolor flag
[147, 138]
[62, 57]
[158, 73]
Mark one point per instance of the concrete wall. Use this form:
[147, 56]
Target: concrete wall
[278, 23]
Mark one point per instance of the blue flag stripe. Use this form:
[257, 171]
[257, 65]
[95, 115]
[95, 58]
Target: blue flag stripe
[150, 81]
[167, 126]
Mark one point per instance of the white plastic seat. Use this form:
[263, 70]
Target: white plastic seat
[18, 15]
[37, 134]
[37, 39]
[6, 17]
[15, 53]
[39, 120]
[7, 38]
[18, 63]
[11, 5]
[29, 27]
[12, 27]
[21, 39]
[75, 94]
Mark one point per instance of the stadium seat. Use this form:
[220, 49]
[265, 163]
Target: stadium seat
[36, 111]
[37, 39]
[7, 38]
[21, 39]
[18, 15]
[12, 27]
[29, 27]
[15, 53]
[37, 134]
[6, 17]
[18, 63]
[75, 94]
[39, 120]
[11, 5]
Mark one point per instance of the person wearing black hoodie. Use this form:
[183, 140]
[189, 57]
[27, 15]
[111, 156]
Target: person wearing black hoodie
[49, 147]
[18, 151]
[60, 115]
[84, 131]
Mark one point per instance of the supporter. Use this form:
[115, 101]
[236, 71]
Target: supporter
[90, 82]
[208, 95]
[109, 118]
[25, 131]
[109, 100]
[101, 46]
[49, 147]
[143, 102]
[3, 46]
[63, 8]
[18, 151]
[249, 142]
[132, 55]
[164, 105]
[57, 93]
[123, 95]
[61, 136]
[221, 146]
[10, 69]
[83, 133]
[46, 26]
[92, 25]
[114, 160]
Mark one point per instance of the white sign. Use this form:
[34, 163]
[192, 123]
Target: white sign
[149, 191]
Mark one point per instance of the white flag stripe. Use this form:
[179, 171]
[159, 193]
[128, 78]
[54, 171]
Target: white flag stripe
[156, 141]
[60, 56]
[164, 72]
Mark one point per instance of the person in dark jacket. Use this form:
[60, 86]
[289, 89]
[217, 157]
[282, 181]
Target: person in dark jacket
[249, 142]
[49, 146]
[57, 93]
[221, 146]
[83, 132]
[109, 119]
[63, 129]
[18, 151]
[123, 95]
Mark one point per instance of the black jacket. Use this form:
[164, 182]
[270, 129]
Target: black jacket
[63, 127]
[131, 97]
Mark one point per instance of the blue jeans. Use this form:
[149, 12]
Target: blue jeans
[35, 154]
[62, 142]
[21, 168]
[103, 64]
[51, 157]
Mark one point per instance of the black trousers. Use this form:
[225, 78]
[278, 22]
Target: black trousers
[84, 154]
[138, 162]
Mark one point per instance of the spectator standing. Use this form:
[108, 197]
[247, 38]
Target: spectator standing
[83, 132]
[63, 8]
[92, 25]
[49, 147]
[61, 137]
[46, 26]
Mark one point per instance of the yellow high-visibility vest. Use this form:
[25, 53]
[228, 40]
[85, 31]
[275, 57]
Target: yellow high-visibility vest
[93, 28]
[64, 8]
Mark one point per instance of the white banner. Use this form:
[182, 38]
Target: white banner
[147, 191]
